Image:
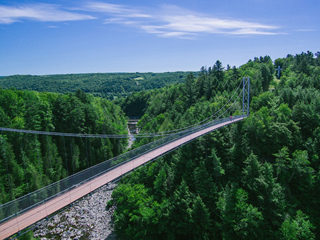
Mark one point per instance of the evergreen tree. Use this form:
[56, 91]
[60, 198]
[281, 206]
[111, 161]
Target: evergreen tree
[190, 89]
[297, 228]
[200, 219]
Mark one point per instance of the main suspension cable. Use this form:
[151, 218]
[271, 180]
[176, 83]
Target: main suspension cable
[174, 130]
[142, 135]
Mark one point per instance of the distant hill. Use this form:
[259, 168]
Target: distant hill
[107, 85]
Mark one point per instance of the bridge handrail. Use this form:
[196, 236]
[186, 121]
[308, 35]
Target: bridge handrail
[26, 202]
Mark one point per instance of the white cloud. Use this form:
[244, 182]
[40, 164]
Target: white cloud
[306, 30]
[53, 27]
[105, 7]
[177, 35]
[39, 12]
[120, 10]
[166, 21]
[113, 20]
[173, 21]
[190, 23]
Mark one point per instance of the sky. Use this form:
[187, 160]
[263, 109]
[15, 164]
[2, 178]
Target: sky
[43, 37]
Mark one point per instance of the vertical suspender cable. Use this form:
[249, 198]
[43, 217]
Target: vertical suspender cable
[65, 155]
[71, 156]
[49, 155]
[243, 89]
[90, 157]
[248, 95]
[87, 152]
[5, 158]
[38, 156]
[24, 164]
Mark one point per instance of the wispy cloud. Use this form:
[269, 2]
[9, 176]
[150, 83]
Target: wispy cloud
[39, 12]
[306, 30]
[192, 24]
[119, 14]
[120, 10]
[173, 21]
[165, 21]
[53, 27]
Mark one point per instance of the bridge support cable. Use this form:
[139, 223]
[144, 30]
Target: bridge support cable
[36, 198]
[65, 154]
[49, 153]
[87, 155]
[198, 123]
[245, 95]
[90, 155]
[23, 158]
[4, 155]
[121, 135]
[119, 164]
[195, 127]
[71, 156]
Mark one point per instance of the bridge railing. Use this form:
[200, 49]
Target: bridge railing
[26, 202]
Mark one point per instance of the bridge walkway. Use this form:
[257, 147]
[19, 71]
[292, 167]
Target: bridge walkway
[22, 221]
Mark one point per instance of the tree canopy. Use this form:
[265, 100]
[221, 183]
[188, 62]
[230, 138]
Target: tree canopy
[256, 179]
[29, 162]
[107, 85]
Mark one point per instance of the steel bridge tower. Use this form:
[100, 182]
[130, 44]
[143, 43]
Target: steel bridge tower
[245, 95]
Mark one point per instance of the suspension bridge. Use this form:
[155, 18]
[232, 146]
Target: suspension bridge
[25, 211]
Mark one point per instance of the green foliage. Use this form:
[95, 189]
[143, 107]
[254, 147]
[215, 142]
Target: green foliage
[137, 209]
[240, 182]
[27, 236]
[107, 85]
[297, 228]
[239, 219]
[200, 219]
[29, 162]
[245, 181]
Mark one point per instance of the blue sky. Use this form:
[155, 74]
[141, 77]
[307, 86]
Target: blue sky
[72, 36]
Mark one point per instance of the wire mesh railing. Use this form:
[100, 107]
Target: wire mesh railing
[31, 200]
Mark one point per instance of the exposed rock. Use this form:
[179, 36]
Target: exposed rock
[86, 219]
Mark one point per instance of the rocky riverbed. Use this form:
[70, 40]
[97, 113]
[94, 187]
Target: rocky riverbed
[86, 219]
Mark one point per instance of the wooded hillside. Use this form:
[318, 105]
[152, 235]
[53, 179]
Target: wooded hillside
[257, 179]
[29, 162]
[107, 85]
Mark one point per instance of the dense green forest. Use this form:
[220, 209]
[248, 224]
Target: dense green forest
[29, 162]
[107, 85]
[256, 179]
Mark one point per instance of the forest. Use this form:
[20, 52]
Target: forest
[107, 85]
[29, 161]
[257, 179]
